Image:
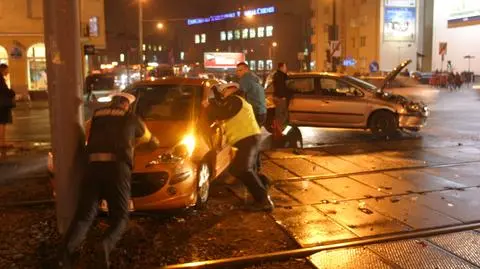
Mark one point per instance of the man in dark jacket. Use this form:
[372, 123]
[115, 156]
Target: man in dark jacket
[110, 144]
[281, 95]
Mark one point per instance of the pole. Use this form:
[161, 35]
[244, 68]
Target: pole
[140, 37]
[335, 37]
[64, 67]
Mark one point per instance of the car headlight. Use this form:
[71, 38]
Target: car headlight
[182, 150]
[104, 99]
[414, 108]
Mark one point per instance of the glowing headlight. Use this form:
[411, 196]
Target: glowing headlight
[104, 99]
[182, 150]
[189, 142]
[414, 107]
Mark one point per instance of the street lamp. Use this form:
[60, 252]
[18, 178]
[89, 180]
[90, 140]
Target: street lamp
[274, 44]
[140, 36]
[469, 58]
[160, 26]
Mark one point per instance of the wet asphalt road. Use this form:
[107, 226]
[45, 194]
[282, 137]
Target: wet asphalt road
[347, 185]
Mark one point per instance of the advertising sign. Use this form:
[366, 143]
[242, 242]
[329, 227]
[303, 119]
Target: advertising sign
[232, 15]
[442, 48]
[223, 60]
[464, 13]
[399, 24]
[400, 3]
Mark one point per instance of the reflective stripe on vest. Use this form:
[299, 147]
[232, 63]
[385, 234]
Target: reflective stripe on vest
[242, 125]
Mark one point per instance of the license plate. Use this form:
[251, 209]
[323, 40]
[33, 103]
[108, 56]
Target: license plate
[104, 206]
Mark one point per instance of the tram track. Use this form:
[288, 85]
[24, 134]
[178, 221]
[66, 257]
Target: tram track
[326, 246]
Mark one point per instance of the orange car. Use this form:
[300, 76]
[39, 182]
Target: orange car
[178, 174]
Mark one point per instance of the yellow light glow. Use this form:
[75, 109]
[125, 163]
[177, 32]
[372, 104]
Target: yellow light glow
[160, 26]
[274, 44]
[189, 142]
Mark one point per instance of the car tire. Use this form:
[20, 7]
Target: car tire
[203, 185]
[383, 124]
[294, 138]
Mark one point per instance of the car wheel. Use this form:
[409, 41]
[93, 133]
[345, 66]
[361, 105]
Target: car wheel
[203, 187]
[294, 138]
[383, 124]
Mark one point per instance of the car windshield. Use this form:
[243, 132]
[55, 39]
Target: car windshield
[168, 102]
[363, 84]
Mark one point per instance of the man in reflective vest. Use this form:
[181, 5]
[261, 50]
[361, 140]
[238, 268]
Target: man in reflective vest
[110, 144]
[243, 133]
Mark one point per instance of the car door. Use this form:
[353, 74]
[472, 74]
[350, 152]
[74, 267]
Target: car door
[342, 104]
[305, 100]
[217, 138]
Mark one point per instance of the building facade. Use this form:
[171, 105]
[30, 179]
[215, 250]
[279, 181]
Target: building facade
[266, 32]
[456, 24]
[22, 40]
[363, 35]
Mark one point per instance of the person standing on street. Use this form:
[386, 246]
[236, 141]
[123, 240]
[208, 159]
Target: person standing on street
[281, 95]
[110, 145]
[243, 133]
[7, 102]
[254, 92]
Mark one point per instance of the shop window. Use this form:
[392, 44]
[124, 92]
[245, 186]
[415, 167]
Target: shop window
[269, 31]
[229, 35]
[4, 60]
[261, 31]
[3, 55]
[237, 34]
[363, 41]
[203, 38]
[245, 33]
[269, 64]
[223, 36]
[197, 39]
[93, 27]
[261, 65]
[34, 9]
[253, 33]
[252, 65]
[37, 68]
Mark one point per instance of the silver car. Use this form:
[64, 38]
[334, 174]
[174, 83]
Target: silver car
[342, 101]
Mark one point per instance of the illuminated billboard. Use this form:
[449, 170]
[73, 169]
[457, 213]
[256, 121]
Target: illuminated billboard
[399, 23]
[464, 13]
[232, 15]
[223, 60]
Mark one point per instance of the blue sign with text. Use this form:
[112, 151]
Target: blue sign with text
[232, 15]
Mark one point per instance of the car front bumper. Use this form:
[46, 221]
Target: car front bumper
[409, 121]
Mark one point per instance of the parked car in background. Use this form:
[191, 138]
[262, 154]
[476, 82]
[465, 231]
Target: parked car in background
[342, 101]
[178, 174]
[422, 77]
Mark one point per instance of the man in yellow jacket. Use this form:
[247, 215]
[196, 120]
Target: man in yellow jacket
[243, 133]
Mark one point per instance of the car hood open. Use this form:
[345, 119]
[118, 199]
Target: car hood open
[392, 75]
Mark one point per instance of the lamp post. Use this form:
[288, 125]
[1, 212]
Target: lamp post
[140, 36]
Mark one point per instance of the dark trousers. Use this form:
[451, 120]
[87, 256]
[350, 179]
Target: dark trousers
[104, 180]
[261, 120]
[244, 164]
